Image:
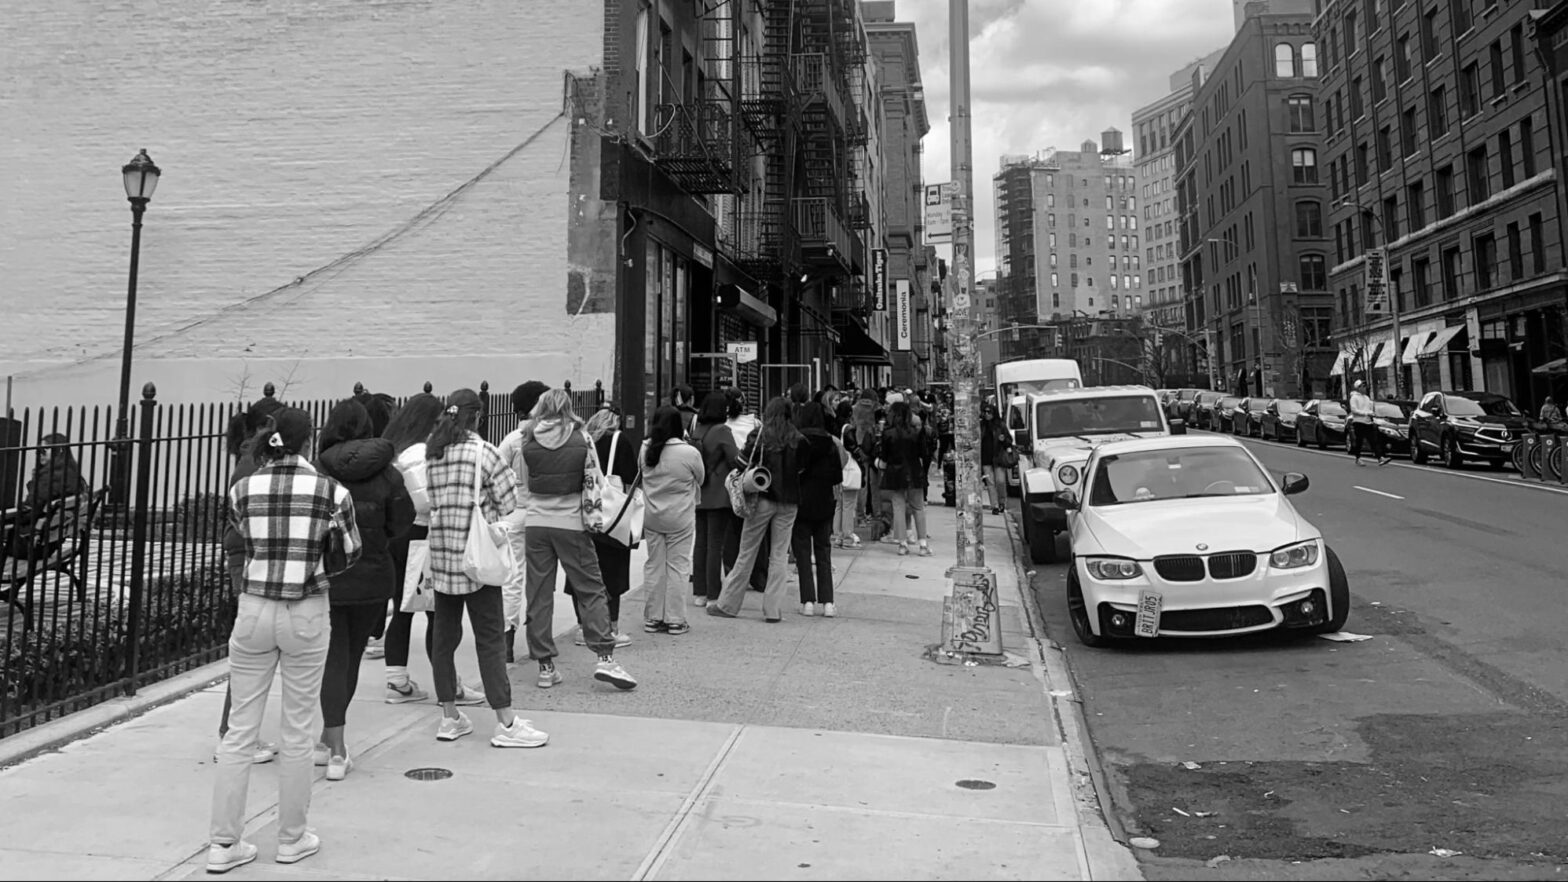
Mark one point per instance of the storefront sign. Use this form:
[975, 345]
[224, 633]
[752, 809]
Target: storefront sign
[744, 353]
[903, 317]
[702, 254]
[879, 279]
[939, 214]
[1377, 282]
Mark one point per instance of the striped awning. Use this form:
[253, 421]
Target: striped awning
[1441, 340]
[1338, 370]
[1414, 344]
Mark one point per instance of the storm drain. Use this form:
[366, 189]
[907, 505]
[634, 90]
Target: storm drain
[975, 784]
[428, 774]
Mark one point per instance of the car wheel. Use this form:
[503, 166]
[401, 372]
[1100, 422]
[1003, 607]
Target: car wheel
[1078, 612]
[1417, 455]
[1450, 453]
[1338, 596]
[1042, 544]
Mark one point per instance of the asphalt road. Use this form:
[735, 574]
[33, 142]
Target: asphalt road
[1448, 729]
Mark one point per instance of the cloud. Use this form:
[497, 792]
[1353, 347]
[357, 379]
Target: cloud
[1053, 73]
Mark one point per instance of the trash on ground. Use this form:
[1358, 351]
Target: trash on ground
[1445, 852]
[1061, 693]
[1345, 637]
[1189, 764]
[1143, 842]
[1215, 861]
[1180, 812]
[1269, 794]
[1204, 814]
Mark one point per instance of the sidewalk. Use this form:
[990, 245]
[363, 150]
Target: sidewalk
[812, 749]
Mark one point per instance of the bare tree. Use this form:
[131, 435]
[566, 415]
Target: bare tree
[240, 384]
[289, 379]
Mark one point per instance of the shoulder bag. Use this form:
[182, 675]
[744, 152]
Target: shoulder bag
[738, 483]
[487, 554]
[624, 507]
[853, 477]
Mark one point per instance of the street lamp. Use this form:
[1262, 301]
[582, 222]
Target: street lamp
[141, 179]
[1398, 370]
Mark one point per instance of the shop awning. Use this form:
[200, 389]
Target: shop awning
[751, 309]
[1338, 370]
[1554, 367]
[1413, 346]
[1385, 354]
[1441, 340]
[857, 347]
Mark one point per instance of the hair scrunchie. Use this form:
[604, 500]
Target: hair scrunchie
[275, 441]
[452, 410]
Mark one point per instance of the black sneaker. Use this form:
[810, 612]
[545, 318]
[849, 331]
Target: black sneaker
[677, 629]
[654, 627]
[1385, 460]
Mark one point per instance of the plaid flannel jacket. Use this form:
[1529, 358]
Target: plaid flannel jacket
[298, 529]
[451, 488]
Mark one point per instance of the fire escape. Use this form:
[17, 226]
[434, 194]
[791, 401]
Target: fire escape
[700, 142]
[830, 60]
[766, 245]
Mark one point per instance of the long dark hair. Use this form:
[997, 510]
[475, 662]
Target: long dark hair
[348, 421]
[412, 424]
[715, 409]
[778, 429]
[662, 429]
[812, 415]
[459, 418]
[900, 418]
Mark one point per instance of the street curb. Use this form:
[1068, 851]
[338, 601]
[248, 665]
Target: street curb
[1104, 840]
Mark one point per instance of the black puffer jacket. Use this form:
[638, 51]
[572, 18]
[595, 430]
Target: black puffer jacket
[382, 509]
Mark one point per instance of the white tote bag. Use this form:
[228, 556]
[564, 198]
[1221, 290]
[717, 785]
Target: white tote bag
[852, 474]
[624, 508]
[417, 596]
[487, 555]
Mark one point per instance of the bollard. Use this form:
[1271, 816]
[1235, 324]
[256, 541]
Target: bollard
[1551, 457]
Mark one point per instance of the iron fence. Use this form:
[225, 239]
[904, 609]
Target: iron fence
[112, 573]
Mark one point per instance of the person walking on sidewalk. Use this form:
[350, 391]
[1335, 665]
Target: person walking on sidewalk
[1363, 429]
[900, 456]
[818, 506]
[618, 457]
[298, 530]
[715, 518]
[355, 458]
[524, 397]
[996, 450]
[456, 459]
[672, 478]
[780, 448]
[562, 473]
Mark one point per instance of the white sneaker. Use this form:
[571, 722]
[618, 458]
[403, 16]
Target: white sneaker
[454, 728]
[520, 734]
[610, 672]
[338, 767]
[405, 693]
[223, 858]
[376, 648]
[321, 755]
[294, 852]
[264, 753]
[829, 610]
[620, 639]
[807, 609]
[468, 696]
[699, 602]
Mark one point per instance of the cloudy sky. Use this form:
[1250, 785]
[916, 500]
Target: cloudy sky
[1052, 73]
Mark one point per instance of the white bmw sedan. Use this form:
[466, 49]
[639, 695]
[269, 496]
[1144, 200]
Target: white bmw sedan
[1189, 536]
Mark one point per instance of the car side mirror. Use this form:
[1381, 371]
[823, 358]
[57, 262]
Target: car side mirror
[1178, 427]
[1295, 482]
[1021, 437]
[1066, 499]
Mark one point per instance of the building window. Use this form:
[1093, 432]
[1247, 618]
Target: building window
[1050, 219]
[1379, 80]
[1110, 222]
[1352, 38]
[1309, 220]
[1408, 134]
[1304, 165]
[1515, 254]
[1385, 148]
[1363, 159]
[1429, 34]
[1368, 233]
[1284, 60]
[1402, 58]
[1053, 258]
[1317, 327]
[1537, 243]
[1459, 11]
[1050, 200]
[1445, 192]
[1054, 281]
[1391, 219]
[1356, 109]
[1075, 280]
[1421, 270]
[1053, 244]
[1470, 90]
[1485, 261]
[1527, 146]
[1056, 298]
[1072, 260]
[1451, 273]
[1437, 112]
[1113, 281]
[1498, 85]
[1415, 205]
[1505, 157]
[1299, 113]
[1314, 272]
[1479, 184]
[1309, 60]
[1516, 45]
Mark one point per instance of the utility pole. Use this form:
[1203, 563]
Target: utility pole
[971, 616]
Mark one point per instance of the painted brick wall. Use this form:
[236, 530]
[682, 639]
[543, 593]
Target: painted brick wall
[294, 136]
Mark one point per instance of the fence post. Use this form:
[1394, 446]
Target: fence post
[428, 388]
[484, 409]
[139, 516]
[598, 394]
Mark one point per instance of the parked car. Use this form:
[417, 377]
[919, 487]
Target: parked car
[1142, 531]
[1243, 420]
[1256, 407]
[1202, 415]
[1322, 422]
[1456, 426]
[1392, 419]
[1181, 405]
[1224, 409]
[1279, 419]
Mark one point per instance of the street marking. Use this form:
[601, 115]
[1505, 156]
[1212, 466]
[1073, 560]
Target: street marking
[1378, 492]
[1546, 488]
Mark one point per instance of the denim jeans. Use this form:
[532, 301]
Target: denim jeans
[844, 518]
[665, 575]
[272, 638]
[781, 517]
[908, 503]
[811, 541]
[550, 549]
[485, 615]
[708, 555]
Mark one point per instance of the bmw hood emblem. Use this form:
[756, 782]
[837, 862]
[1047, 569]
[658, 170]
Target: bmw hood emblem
[1203, 546]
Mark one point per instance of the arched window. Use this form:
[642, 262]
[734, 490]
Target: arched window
[1314, 273]
[1309, 60]
[1304, 165]
[1284, 60]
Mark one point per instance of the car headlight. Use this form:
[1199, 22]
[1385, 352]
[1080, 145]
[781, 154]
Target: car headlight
[1068, 475]
[1389, 430]
[1113, 569]
[1290, 557]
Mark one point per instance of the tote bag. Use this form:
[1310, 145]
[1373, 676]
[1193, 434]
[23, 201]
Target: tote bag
[417, 595]
[487, 555]
[624, 507]
[743, 500]
[852, 474]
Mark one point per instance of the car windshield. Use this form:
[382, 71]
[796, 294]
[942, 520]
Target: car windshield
[1177, 473]
[1289, 406]
[1388, 410]
[1185, 395]
[1484, 407]
[1331, 408]
[1097, 416]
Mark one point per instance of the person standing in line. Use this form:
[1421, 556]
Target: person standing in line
[813, 528]
[618, 457]
[1364, 433]
[297, 527]
[456, 458]
[351, 455]
[900, 454]
[742, 421]
[995, 441]
[715, 518]
[524, 397]
[672, 478]
[407, 431]
[779, 447]
[564, 482]
[865, 425]
[684, 399]
[844, 520]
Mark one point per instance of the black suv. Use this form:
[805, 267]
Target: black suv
[1456, 426]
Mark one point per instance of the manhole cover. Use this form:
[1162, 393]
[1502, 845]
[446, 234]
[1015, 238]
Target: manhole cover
[428, 774]
[974, 784]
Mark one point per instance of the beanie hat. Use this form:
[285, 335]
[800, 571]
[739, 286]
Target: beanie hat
[291, 430]
[524, 397]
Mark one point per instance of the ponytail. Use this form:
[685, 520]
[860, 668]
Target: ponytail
[456, 421]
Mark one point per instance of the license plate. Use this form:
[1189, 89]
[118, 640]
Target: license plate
[1508, 449]
[1148, 623]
